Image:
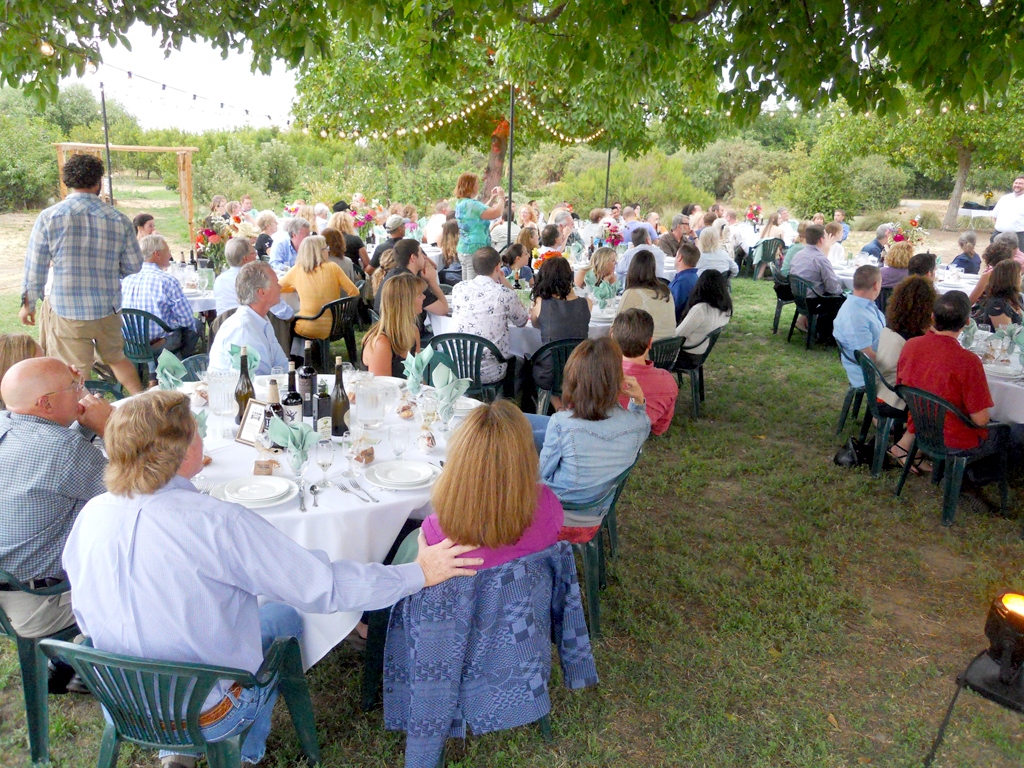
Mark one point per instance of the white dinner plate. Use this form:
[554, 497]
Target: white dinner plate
[218, 493]
[465, 405]
[388, 380]
[1002, 371]
[379, 475]
[256, 488]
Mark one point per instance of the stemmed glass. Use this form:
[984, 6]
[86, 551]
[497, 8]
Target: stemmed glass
[298, 465]
[427, 411]
[325, 459]
[349, 445]
[398, 438]
[445, 414]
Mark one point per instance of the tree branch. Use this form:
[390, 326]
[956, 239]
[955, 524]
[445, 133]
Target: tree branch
[442, 18]
[547, 18]
[682, 18]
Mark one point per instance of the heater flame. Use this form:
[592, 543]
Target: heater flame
[1014, 603]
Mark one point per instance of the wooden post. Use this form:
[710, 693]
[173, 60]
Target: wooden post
[185, 185]
[60, 171]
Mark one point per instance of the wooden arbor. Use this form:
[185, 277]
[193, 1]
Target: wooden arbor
[184, 169]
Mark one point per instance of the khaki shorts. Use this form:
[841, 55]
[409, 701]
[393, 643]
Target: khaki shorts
[81, 342]
[36, 615]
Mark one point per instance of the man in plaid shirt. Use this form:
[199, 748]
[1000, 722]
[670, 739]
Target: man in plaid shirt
[152, 290]
[91, 246]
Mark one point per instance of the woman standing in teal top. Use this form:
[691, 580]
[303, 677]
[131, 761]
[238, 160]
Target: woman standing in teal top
[473, 217]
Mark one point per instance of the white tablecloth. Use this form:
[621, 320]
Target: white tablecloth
[526, 340]
[1008, 399]
[202, 302]
[974, 213]
[966, 283]
[342, 526]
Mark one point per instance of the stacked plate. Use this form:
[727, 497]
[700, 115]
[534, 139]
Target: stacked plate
[402, 475]
[1002, 371]
[256, 491]
[465, 405]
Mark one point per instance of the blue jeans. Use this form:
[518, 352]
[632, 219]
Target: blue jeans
[539, 425]
[255, 705]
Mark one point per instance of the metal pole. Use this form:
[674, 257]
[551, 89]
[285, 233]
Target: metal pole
[511, 149]
[106, 140]
[608, 177]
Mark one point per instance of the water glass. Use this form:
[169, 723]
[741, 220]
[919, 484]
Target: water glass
[390, 394]
[370, 404]
[398, 438]
[221, 386]
[325, 460]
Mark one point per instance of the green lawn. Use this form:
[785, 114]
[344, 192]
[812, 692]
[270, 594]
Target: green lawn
[767, 609]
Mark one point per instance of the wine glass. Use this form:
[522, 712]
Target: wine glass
[299, 464]
[445, 414]
[349, 444]
[325, 459]
[398, 438]
[428, 403]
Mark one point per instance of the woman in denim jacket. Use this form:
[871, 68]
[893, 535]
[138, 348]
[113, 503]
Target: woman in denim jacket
[594, 440]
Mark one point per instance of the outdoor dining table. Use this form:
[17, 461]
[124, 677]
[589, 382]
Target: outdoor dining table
[201, 301]
[342, 525]
[943, 284]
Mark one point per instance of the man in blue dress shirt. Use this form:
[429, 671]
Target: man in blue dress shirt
[859, 322]
[282, 255]
[161, 571]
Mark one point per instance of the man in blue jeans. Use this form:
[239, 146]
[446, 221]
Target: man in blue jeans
[161, 571]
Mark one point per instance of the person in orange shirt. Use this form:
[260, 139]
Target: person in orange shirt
[317, 281]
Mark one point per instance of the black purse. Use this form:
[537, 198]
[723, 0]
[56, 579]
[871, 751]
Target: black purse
[855, 452]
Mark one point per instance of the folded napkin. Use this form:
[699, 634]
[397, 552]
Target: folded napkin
[170, 373]
[604, 293]
[972, 328]
[448, 386]
[415, 366]
[201, 422]
[252, 354]
[298, 438]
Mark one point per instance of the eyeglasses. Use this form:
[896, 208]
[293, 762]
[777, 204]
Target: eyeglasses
[76, 385]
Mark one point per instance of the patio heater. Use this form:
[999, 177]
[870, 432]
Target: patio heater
[995, 673]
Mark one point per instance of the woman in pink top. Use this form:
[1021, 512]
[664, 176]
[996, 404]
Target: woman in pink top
[489, 495]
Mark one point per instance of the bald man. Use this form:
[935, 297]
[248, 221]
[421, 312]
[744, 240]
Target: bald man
[51, 470]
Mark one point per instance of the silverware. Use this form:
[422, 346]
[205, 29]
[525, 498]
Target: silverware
[313, 491]
[357, 485]
[204, 486]
[346, 489]
[302, 497]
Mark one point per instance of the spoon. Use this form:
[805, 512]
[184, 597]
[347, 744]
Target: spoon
[313, 491]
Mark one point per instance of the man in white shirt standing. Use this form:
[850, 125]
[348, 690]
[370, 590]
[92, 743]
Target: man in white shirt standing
[258, 291]
[187, 589]
[1009, 213]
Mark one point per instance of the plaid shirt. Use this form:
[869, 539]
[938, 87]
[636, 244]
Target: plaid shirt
[50, 471]
[153, 290]
[91, 246]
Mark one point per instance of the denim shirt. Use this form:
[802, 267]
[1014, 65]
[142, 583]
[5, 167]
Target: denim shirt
[581, 459]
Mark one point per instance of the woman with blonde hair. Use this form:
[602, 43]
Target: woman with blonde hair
[396, 333]
[896, 262]
[602, 270]
[318, 281]
[308, 212]
[387, 263]
[355, 248]
[493, 448]
[15, 347]
[527, 217]
[529, 238]
[451, 267]
[473, 218]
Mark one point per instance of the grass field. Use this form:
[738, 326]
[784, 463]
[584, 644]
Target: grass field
[767, 609]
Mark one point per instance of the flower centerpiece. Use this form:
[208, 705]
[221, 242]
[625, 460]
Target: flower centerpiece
[539, 256]
[753, 213]
[612, 234]
[210, 241]
[913, 233]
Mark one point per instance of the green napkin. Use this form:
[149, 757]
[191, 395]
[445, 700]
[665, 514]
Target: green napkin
[298, 438]
[170, 373]
[252, 354]
[201, 422]
[972, 328]
[415, 367]
[1018, 337]
[603, 294]
[448, 386]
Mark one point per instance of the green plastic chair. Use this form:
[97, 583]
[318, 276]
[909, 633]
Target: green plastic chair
[467, 352]
[854, 395]
[374, 317]
[929, 412]
[802, 291]
[135, 330]
[344, 315]
[558, 352]
[779, 303]
[104, 388]
[664, 353]
[874, 413]
[195, 365]
[34, 675]
[156, 704]
[595, 575]
[695, 368]
[764, 250]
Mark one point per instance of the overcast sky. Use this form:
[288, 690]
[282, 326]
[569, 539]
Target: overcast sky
[197, 69]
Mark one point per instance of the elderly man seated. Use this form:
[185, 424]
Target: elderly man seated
[640, 239]
[153, 290]
[283, 253]
[484, 306]
[859, 323]
[239, 252]
[670, 241]
[877, 246]
[258, 291]
[51, 470]
[189, 590]
[811, 264]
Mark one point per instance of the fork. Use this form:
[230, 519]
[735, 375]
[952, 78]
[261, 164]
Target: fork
[343, 487]
[357, 485]
[205, 486]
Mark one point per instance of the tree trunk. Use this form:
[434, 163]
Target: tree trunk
[495, 162]
[963, 163]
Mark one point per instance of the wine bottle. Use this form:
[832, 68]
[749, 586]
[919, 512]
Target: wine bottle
[244, 391]
[192, 258]
[307, 380]
[183, 262]
[339, 401]
[322, 412]
[292, 400]
[273, 408]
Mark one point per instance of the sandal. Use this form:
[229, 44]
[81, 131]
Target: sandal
[901, 458]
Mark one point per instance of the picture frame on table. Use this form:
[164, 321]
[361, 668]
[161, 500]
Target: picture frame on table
[251, 424]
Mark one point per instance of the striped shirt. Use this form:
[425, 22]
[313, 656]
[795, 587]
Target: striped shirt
[153, 290]
[91, 246]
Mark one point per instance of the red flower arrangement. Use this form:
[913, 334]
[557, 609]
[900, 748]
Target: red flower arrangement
[540, 259]
[753, 212]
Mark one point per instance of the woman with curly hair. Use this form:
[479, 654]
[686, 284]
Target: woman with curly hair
[896, 261]
[993, 255]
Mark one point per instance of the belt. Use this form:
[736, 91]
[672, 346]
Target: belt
[218, 711]
[31, 584]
